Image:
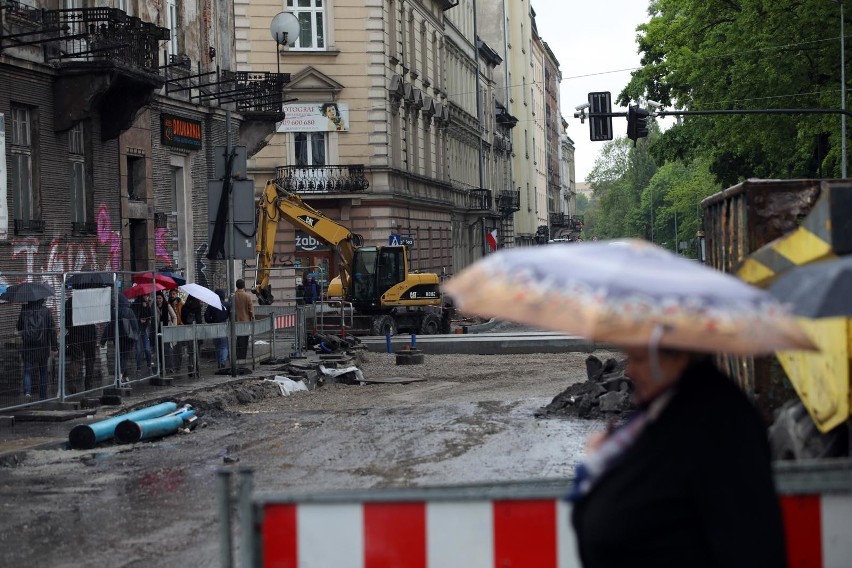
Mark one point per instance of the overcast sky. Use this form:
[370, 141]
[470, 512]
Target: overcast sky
[591, 37]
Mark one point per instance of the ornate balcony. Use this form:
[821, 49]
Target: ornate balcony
[479, 200]
[508, 202]
[108, 63]
[322, 179]
[563, 220]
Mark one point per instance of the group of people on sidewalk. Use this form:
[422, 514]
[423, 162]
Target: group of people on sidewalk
[138, 330]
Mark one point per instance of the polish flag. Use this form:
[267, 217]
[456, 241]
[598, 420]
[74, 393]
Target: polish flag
[492, 239]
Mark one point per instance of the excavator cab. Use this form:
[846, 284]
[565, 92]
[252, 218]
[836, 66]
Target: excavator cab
[374, 271]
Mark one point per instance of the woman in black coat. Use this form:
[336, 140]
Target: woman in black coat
[686, 481]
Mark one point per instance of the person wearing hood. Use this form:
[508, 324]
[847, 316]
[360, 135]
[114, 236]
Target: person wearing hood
[38, 338]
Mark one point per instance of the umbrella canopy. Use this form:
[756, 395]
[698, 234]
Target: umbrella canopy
[143, 288]
[179, 279]
[206, 295]
[166, 282]
[82, 280]
[627, 293]
[27, 292]
[819, 290]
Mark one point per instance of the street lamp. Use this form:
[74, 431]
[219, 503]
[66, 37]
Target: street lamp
[285, 31]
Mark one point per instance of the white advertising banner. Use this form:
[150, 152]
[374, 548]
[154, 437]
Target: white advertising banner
[91, 305]
[4, 174]
[315, 117]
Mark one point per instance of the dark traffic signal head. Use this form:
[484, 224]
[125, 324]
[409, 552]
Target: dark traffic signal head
[637, 123]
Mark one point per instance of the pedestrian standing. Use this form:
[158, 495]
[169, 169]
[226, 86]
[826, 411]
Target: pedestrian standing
[243, 311]
[167, 317]
[82, 341]
[311, 293]
[125, 324]
[178, 346]
[190, 315]
[144, 311]
[215, 315]
[38, 338]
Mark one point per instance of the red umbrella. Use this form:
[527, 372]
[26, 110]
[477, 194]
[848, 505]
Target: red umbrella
[166, 282]
[140, 289]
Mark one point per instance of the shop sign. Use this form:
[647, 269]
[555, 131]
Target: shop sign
[180, 132]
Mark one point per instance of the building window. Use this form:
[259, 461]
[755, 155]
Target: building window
[310, 148]
[311, 15]
[136, 178]
[172, 24]
[125, 6]
[79, 183]
[21, 157]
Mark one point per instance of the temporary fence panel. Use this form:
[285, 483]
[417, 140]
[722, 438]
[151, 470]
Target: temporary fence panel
[513, 524]
[285, 325]
[28, 365]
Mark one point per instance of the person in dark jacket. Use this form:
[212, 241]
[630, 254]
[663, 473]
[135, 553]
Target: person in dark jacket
[686, 481]
[191, 314]
[143, 308]
[128, 333]
[166, 317]
[38, 340]
[82, 341]
[311, 293]
[215, 315]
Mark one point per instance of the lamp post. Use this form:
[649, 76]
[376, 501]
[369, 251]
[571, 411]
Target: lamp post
[285, 31]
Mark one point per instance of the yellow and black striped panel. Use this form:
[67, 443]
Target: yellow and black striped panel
[826, 232]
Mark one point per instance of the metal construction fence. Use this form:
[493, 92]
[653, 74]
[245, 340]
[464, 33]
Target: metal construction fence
[72, 334]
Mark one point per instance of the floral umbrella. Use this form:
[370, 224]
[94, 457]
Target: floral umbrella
[626, 293]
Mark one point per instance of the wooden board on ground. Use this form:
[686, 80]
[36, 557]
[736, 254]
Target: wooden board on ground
[395, 380]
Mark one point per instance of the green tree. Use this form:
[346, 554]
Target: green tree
[744, 54]
[619, 177]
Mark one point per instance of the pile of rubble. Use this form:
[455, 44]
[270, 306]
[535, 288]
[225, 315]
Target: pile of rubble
[606, 395]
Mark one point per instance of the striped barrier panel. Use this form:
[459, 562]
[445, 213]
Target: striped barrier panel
[524, 525]
[285, 321]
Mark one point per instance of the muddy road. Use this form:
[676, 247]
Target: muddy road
[154, 503]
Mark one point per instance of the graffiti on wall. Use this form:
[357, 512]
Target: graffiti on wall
[161, 251]
[100, 253]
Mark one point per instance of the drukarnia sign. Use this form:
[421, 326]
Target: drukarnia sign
[180, 132]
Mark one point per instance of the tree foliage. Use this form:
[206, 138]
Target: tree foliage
[746, 54]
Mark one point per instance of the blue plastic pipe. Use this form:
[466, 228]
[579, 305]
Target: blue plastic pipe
[413, 340]
[130, 431]
[87, 436]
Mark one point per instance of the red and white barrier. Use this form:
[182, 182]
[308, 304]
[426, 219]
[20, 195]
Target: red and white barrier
[285, 321]
[534, 533]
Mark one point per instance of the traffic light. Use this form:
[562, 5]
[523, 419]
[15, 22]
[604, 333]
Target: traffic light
[637, 123]
[600, 127]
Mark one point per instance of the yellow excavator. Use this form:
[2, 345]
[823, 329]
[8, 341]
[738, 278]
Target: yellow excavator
[385, 296]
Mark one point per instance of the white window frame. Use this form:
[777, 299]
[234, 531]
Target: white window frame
[172, 21]
[312, 16]
[21, 151]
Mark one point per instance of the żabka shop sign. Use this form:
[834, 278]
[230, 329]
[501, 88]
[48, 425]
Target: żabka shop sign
[180, 132]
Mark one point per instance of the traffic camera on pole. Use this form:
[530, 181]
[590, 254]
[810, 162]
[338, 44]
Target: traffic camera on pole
[637, 123]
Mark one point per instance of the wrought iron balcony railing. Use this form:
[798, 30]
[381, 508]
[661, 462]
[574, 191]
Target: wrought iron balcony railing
[322, 179]
[479, 200]
[103, 34]
[563, 220]
[29, 226]
[509, 201]
[259, 92]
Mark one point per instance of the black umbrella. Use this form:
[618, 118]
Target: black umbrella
[819, 290]
[27, 292]
[90, 280]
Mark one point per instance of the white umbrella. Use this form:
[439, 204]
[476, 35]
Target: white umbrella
[206, 295]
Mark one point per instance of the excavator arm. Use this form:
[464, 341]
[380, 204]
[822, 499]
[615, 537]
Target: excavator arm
[276, 203]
